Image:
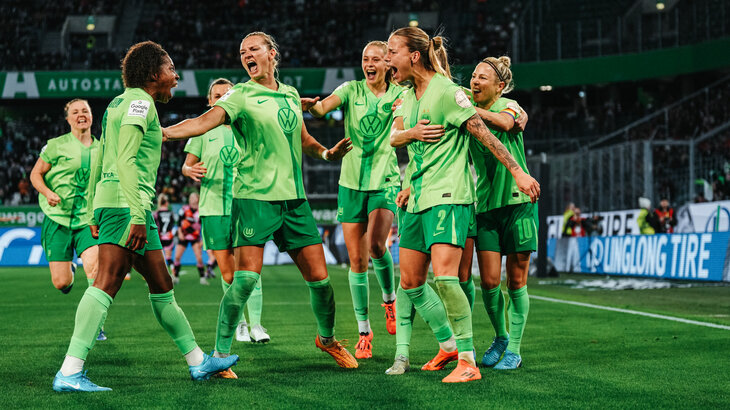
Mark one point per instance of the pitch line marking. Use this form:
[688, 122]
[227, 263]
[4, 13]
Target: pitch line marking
[631, 312]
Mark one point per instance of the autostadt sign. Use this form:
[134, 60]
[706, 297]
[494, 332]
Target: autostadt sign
[192, 83]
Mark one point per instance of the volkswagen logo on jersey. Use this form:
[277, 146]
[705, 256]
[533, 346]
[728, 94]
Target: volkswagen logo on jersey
[287, 119]
[229, 155]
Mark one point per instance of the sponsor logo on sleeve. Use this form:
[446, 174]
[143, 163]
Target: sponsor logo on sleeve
[461, 99]
[138, 108]
[227, 94]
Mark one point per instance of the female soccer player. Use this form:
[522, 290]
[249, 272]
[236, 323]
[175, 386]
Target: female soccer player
[188, 233]
[61, 176]
[126, 172]
[268, 198]
[440, 207]
[211, 160]
[369, 182]
[506, 217]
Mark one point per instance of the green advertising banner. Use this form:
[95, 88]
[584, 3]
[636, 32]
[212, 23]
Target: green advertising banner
[709, 55]
[30, 216]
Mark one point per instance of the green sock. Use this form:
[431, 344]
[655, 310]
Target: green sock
[322, 299]
[231, 306]
[494, 303]
[431, 309]
[458, 311]
[518, 310]
[90, 280]
[384, 272]
[360, 292]
[90, 316]
[255, 304]
[405, 312]
[173, 320]
[469, 291]
[225, 285]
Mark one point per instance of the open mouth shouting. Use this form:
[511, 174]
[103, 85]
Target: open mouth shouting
[371, 73]
[252, 67]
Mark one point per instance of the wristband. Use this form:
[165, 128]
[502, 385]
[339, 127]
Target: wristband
[324, 155]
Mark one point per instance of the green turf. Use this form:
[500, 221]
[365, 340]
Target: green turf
[574, 357]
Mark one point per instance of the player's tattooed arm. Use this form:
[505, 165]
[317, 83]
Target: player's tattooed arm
[502, 121]
[525, 183]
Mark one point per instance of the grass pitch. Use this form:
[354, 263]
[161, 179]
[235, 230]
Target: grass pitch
[574, 357]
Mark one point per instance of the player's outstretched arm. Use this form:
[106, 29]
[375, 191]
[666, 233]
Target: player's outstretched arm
[320, 108]
[525, 182]
[195, 126]
[314, 149]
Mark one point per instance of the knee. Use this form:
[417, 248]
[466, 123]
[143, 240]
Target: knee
[61, 282]
[358, 263]
[489, 283]
[377, 250]
[516, 283]
[407, 282]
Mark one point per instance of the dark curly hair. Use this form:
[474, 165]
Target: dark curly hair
[142, 63]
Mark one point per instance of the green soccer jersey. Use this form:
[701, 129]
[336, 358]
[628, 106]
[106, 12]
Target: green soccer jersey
[141, 158]
[372, 164]
[267, 125]
[68, 177]
[219, 152]
[439, 172]
[496, 187]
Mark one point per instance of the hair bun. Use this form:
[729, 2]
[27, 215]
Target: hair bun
[506, 61]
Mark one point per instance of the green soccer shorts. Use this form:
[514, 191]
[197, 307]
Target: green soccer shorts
[59, 241]
[355, 206]
[216, 232]
[509, 229]
[289, 223]
[114, 226]
[438, 224]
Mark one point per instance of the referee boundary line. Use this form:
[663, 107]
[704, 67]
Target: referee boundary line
[631, 312]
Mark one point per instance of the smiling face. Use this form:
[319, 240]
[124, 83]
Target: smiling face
[166, 80]
[257, 58]
[485, 85]
[373, 65]
[400, 59]
[216, 92]
[79, 116]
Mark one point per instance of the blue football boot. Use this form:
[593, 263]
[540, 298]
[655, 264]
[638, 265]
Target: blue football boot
[510, 361]
[492, 355]
[75, 382]
[212, 365]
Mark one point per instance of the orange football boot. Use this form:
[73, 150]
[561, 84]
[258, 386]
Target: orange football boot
[227, 374]
[464, 372]
[441, 360]
[389, 316]
[338, 352]
[364, 346]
